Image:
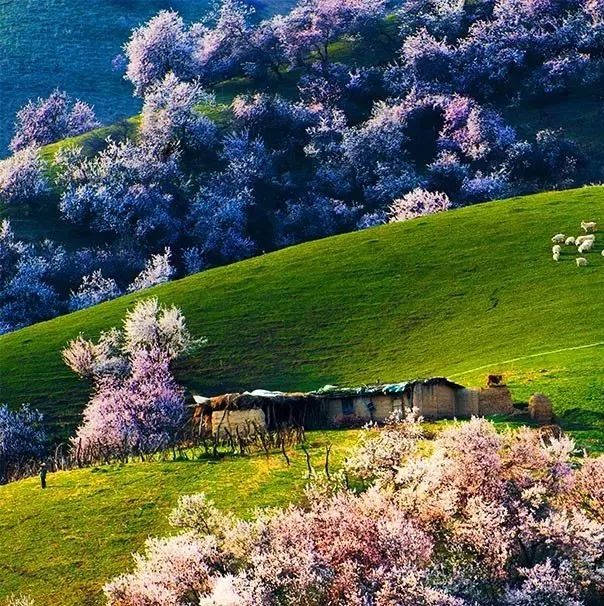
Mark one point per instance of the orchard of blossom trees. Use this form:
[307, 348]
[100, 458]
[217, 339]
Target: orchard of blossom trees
[474, 518]
[405, 122]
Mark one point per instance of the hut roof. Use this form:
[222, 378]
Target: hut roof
[336, 391]
[253, 399]
[259, 397]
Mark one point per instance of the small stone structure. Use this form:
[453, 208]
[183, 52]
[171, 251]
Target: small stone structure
[495, 401]
[540, 408]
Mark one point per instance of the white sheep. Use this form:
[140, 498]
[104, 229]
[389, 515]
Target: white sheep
[558, 238]
[581, 261]
[570, 241]
[585, 247]
[603, 252]
[556, 256]
[587, 226]
[556, 249]
[580, 239]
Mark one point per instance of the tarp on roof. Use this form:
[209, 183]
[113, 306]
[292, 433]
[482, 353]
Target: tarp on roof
[265, 393]
[396, 387]
[338, 391]
[201, 400]
[258, 397]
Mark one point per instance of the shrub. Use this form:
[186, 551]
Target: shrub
[158, 270]
[22, 177]
[95, 288]
[22, 439]
[418, 203]
[126, 190]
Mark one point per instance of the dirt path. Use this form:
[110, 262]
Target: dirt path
[536, 355]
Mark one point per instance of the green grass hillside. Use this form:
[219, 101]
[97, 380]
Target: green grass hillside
[460, 294]
[61, 545]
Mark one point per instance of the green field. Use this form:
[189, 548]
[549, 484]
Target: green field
[461, 292]
[61, 545]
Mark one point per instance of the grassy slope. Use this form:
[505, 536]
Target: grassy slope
[60, 546]
[441, 295]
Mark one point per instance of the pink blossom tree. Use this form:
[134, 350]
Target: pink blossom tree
[313, 24]
[94, 288]
[162, 45]
[136, 406]
[48, 120]
[418, 203]
[170, 117]
[158, 270]
[137, 413]
[22, 177]
[477, 519]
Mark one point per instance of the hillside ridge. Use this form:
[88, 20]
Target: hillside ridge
[400, 300]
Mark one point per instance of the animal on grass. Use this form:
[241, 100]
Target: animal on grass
[558, 238]
[588, 226]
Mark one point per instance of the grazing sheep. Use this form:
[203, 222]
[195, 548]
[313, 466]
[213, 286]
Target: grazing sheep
[580, 239]
[585, 247]
[587, 226]
[603, 252]
[581, 261]
[570, 241]
[556, 249]
[556, 256]
[558, 238]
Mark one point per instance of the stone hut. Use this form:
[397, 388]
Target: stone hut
[434, 398]
[540, 408]
[496, 397]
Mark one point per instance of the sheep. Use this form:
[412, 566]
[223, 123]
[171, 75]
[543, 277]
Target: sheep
[556, 256]
[570, 241]
[556, 249]
[603, 252]
[581, 261]
[558, 238]
[580, 239]
[585, 247]
[587, 226]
